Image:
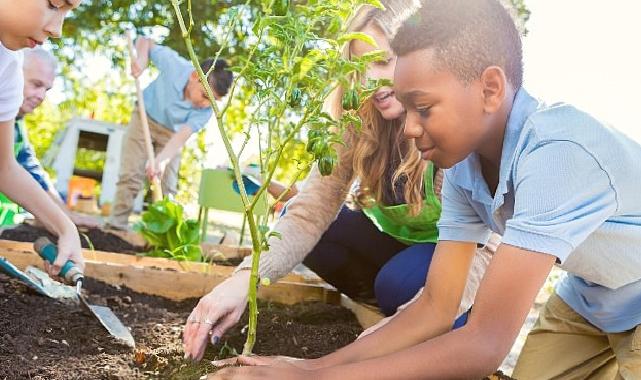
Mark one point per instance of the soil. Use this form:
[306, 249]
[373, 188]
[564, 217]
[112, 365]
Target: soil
[41, 338]
[94, 238]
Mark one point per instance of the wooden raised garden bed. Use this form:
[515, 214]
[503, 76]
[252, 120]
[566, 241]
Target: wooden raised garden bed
[41, 338]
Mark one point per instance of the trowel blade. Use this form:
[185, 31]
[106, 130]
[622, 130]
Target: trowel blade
[110, 322]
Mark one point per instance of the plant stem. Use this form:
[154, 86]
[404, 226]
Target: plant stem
[248, 206]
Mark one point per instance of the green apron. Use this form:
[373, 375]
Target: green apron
[397, 222]
[8, 209]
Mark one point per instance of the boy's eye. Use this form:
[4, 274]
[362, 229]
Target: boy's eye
[424, 112]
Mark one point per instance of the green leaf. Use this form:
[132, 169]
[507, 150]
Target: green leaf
[357, 36]
[372, 56]
[164, 228]
[275, 234]
[375, 3]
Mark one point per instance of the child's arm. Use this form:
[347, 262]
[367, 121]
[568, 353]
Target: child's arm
[431, 315]
[18, 185]
[513, 280]
[143, 47]
[403, 348]
[171, 149]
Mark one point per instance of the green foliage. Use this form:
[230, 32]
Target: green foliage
[96, 29]
[294, 64]
[165, 228]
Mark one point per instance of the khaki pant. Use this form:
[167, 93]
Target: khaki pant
[132, 168]
[563, 345]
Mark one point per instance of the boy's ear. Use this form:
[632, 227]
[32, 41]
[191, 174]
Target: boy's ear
[493, 84]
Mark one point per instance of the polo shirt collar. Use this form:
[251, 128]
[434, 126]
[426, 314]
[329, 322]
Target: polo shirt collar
[467, 173]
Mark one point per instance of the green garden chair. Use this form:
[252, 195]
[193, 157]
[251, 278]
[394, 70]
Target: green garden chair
[217, 192]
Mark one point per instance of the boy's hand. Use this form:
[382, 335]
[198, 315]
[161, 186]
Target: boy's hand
[137, 67]
[68, 249]
[273, 361]
[156, 170]
[261, 372]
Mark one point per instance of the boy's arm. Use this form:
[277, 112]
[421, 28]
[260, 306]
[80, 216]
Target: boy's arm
[171, 149]
[584, 198]
[513, 280]
[19, 186]
[432, 314]
[143, 47]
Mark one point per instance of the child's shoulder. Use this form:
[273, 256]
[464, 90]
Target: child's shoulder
[9, 60]
[561, 121]
[11, 83]
[568, 127]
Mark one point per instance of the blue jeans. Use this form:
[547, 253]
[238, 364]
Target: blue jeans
[368, 265]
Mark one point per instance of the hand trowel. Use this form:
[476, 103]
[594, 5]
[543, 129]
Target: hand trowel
[72, 274]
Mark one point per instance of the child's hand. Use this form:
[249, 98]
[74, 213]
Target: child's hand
[68, 249]
[156, 170]
[137, 68]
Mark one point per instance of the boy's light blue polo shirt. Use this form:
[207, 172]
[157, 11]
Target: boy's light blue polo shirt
[164, 97]
[570, 187]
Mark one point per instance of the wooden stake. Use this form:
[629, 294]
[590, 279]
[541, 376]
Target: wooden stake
[156, 189]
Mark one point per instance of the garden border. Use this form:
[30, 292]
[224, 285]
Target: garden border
[182, 280]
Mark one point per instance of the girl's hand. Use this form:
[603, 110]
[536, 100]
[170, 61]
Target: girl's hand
[215, 313]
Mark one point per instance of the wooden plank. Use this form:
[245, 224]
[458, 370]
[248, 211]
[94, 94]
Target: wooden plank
[162, 277]
[179, 281]
[367, 315]
[143, 261]
[117, 258]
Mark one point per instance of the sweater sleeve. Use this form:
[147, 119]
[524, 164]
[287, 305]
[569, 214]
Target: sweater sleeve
[308, 216]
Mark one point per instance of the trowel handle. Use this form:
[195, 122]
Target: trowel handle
[49, 252]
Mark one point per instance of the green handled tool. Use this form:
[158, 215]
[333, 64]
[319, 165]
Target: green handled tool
[69, 272]
[72, 274]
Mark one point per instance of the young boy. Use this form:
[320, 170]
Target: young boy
[27, 24]
[177, 106]
[557, 184]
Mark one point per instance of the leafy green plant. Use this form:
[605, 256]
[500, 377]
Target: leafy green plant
[290, 65]
[170, 235]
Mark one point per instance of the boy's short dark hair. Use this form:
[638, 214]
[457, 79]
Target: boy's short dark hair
[467, 36]
[220, 78]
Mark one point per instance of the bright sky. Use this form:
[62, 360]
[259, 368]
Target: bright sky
[587, 52]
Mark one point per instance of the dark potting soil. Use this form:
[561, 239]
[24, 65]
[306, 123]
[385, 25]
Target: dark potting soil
[94, 238]
[41, 338]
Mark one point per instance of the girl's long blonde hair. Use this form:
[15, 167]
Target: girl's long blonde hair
[380, 144]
